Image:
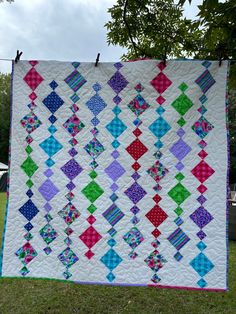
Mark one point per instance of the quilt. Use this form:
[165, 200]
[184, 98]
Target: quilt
[118, 173]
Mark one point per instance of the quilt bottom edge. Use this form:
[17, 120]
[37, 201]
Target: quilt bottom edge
[121, 284]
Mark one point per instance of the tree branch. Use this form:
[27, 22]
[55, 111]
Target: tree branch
[136, 48]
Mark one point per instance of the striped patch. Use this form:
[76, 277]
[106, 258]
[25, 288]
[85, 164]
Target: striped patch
[74, 97]
[205, 81]
[178, 239]
[113, 214]
[75, 80]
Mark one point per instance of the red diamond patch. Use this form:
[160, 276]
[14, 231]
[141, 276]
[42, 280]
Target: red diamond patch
[33, 96]
[33, 62]
[137, 132]
[156, 215]
[136, 166]
[156, 233]
[136, 149]
[156, 198]
[161, 65]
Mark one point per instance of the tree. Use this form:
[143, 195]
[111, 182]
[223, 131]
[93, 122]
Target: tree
[157, 29]
[151, 28]
[5, 80]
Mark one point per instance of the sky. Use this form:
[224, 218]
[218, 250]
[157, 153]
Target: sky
[64, 30]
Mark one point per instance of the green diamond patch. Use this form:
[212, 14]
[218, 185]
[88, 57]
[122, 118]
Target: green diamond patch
[93, 174]
[28, 150]
[179, 176]
[92, 208]
[178, 211]
[183, 87]
[179, 193]
[182, 104]
[181, 122]
[29, 166]
[92, 191]
[29, 183]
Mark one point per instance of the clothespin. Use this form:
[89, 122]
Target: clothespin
[97, 60]
[164, 60]
[220, 60]
[164, 57]
[219, 51]
[18, 55]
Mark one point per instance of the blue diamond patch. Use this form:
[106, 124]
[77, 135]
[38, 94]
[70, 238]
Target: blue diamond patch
[116, 127]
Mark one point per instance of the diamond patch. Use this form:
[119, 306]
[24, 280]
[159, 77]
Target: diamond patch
[71, 169]
[92, 191]
[73, 125]
[135, 193]
[179, 193]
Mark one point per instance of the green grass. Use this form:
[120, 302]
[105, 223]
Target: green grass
[23, 296]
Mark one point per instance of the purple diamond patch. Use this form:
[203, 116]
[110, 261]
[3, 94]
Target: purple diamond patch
[71, 169]
[180, 149]
[201, 199]
[179, 166]
[47, 207]
[70, 186]
[201, 217]
[48, 190]
[117, 99]
[117, 82]
[201, 234]
[115, 154]
[115, 170]
[73, 152]
[135, 193]
[48, 173]
[135, 176]
[114, 187]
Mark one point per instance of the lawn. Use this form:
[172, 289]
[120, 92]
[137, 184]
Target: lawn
[23, 296]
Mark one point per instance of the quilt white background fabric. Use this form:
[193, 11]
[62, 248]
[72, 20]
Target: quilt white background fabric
[97, 150]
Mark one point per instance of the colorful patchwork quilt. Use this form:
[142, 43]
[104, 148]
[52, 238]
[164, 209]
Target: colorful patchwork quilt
[118, 173]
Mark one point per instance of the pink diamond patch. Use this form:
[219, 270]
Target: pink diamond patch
[89, 254]
[202, 171]
[160, 100]
[91, 219]
[33, 78]
[33, 96]
[33, 62]
[90, 237]
[202, 154]
[161, 83]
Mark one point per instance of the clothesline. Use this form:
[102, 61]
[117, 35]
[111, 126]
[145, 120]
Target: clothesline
[231, 60]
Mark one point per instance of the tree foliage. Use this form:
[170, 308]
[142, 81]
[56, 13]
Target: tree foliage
[150, 28]
[5, 80]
